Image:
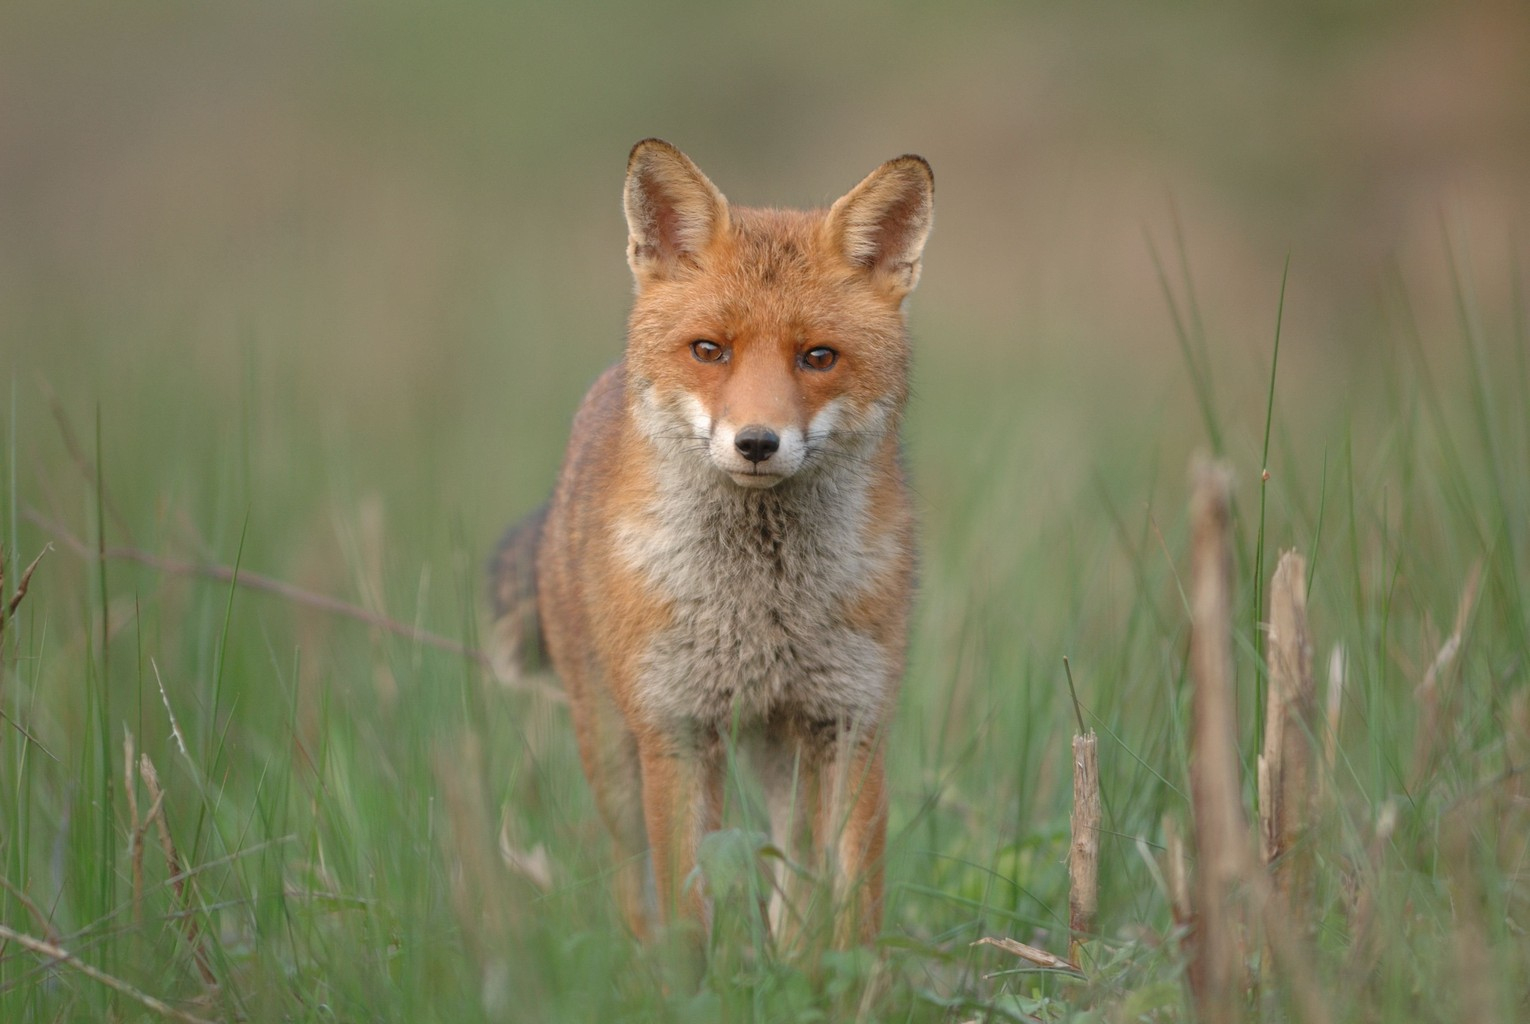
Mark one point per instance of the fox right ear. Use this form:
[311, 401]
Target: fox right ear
[881, 225]
[673, 211]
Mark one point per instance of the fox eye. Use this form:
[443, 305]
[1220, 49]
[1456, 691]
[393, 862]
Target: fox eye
[819, 358]
[706, 351]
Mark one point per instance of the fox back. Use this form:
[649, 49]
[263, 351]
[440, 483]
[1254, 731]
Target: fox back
[729, 551]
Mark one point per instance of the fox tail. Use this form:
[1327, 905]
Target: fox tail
[516, 647]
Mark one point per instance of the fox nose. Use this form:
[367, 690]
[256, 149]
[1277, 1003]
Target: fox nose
[756, 443]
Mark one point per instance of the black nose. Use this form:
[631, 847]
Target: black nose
[756, 443]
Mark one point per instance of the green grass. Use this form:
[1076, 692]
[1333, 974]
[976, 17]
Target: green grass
[342, 798]
[313, 293]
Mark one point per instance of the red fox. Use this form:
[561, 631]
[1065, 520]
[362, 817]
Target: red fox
[728, 555]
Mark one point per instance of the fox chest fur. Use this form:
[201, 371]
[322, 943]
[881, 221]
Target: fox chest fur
[761, 588]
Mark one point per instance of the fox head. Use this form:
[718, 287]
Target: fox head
[765, 343]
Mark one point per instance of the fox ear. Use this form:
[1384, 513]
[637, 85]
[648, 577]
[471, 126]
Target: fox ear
[881, 224]
[673, 211]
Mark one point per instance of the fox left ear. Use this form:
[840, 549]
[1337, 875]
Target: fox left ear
[881, 224]
[673, 211]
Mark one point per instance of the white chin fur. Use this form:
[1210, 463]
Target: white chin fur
[756, 481]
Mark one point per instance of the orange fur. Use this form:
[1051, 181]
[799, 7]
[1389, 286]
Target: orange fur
[729, 552]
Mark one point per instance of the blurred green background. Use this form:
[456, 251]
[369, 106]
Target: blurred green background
[319, 286]
[392, 232]
[407, 216]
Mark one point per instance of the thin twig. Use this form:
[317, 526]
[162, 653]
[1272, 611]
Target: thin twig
[88, 469]
[61, 955]
[1077, 711]
[1039, 957]
[7, 719]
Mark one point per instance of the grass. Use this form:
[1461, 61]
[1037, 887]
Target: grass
[368, 829]
[296, 305]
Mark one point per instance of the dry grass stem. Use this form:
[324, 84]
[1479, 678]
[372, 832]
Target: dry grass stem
[1039, 957]
[49, 932]
[1084, 851]
[1223, 856]
[136, 827]
[1432, 721]
[54, 952]
[82, 462]
[288, 592]
[175, 727]
[179, 879]
[21, 584]
[8, 609]
[8, 612]
[1286, 768]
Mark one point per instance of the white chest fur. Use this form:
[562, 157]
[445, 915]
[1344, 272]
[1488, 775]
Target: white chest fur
[759, 581]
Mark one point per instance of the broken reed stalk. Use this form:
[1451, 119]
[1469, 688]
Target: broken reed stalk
[1084, 851]
[1286, 767]
[1221, 833]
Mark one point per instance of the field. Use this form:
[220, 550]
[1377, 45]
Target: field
[295, 307]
